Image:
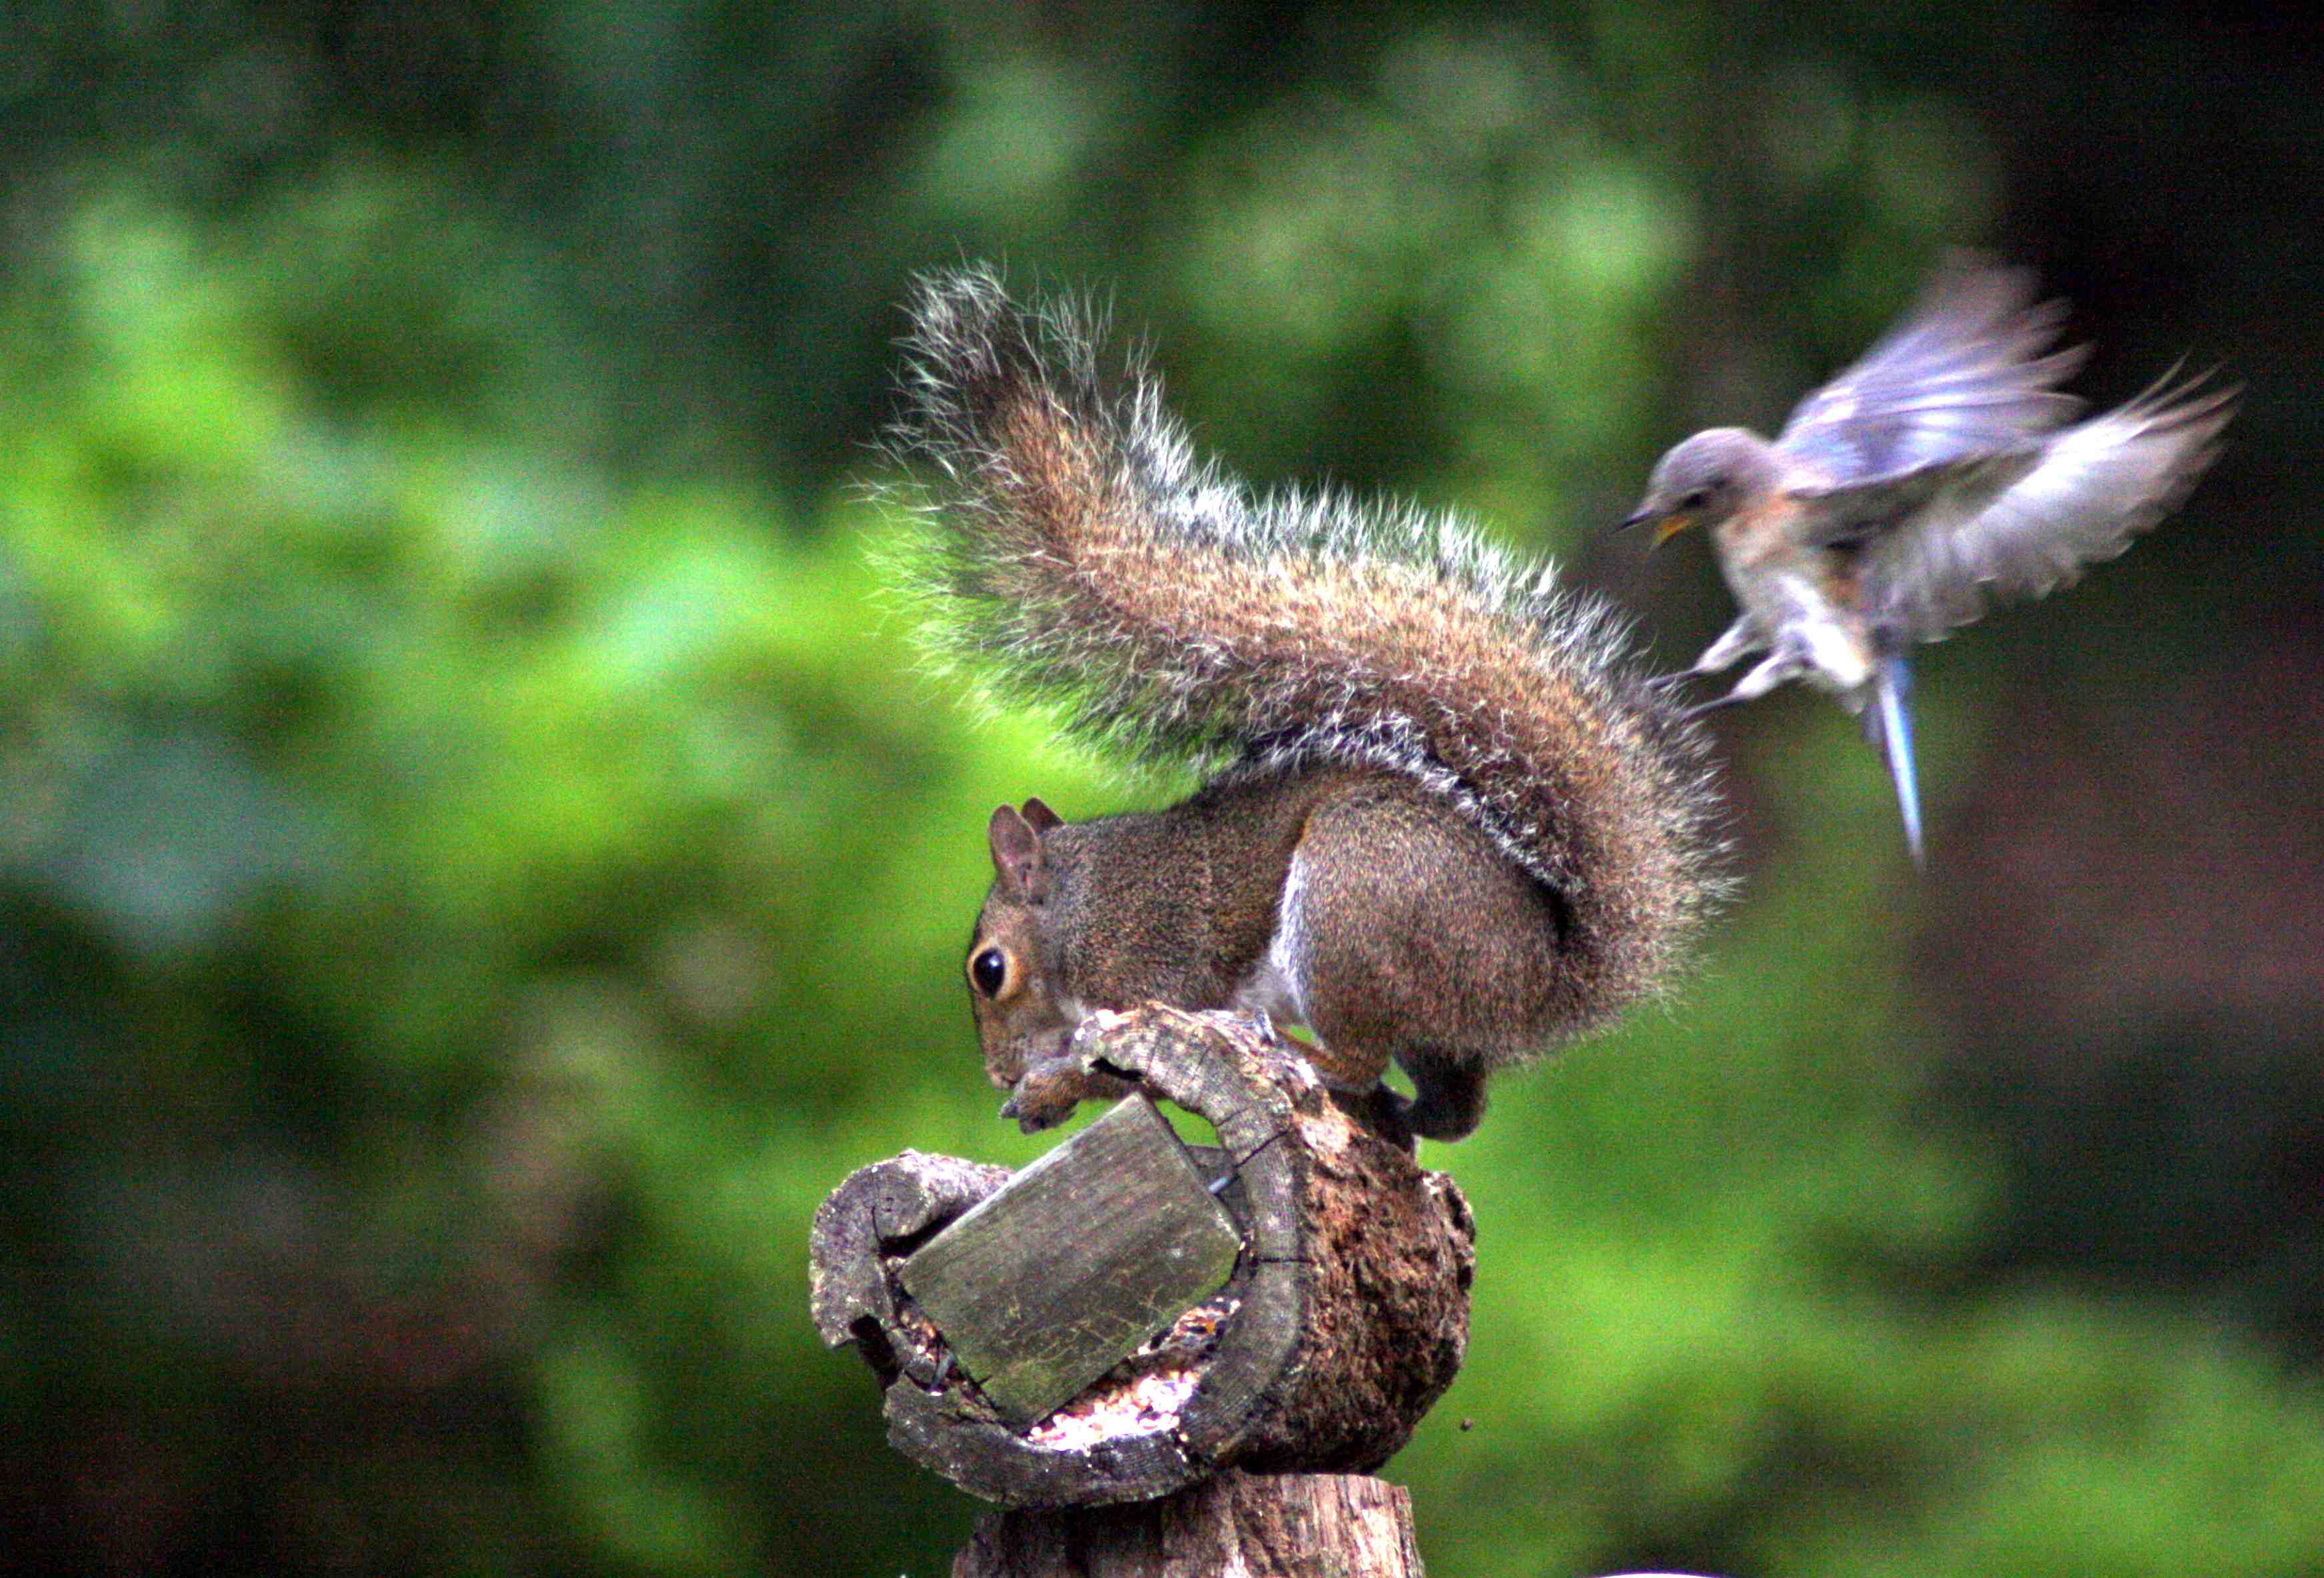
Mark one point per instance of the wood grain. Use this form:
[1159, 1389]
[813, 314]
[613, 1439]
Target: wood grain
[1051, 1282]
[1251, 1526]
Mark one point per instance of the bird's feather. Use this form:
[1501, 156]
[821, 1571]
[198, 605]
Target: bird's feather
[2098, 484]
[1963, 374]
[1889, 725]
[1856, 514]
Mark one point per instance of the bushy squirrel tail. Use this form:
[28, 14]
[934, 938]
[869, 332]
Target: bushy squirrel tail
[1083, 556]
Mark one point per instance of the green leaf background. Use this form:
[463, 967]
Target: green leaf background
[480, 856]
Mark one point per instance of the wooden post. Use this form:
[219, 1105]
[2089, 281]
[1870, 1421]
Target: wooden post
[1343, 1317]
[1253, 1526]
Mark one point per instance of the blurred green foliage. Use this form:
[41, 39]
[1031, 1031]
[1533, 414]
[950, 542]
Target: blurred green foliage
[478, 858]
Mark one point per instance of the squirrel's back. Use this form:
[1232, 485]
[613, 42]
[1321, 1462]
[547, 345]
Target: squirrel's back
[1086, 556]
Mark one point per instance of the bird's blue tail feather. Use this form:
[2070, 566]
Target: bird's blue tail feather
[1892, 733]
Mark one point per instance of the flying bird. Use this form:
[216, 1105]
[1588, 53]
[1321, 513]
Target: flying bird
[1941, 471]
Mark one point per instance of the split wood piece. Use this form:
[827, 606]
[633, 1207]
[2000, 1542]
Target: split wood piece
[1065, 1273]
[1255, 1525]
[1345, 1319]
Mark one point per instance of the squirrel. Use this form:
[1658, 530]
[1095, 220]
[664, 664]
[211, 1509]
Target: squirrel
[1450, 822]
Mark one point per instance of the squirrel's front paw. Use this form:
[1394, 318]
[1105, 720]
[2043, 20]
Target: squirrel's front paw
[1390, 1116]
[1047, 1092]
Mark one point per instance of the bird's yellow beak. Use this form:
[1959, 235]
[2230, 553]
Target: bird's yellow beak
[1667, 526]
[1670, 525]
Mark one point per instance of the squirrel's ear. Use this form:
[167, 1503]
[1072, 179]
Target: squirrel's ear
[1017, 856]
[1039, 816]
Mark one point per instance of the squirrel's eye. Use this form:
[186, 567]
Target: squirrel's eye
[987, 972]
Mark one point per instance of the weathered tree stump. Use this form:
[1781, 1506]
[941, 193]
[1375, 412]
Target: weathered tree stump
[1343, 1317]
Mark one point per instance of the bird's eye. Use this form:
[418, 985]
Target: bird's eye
[1695, 500]
[988, 971]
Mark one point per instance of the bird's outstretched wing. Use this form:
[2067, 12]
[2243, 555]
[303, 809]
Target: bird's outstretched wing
[1858, 514]
[1964, 373]
[2095, 486]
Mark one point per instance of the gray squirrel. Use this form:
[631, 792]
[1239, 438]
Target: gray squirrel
[1448, 822]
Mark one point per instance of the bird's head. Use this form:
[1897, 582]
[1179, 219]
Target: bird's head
[1704, 480]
